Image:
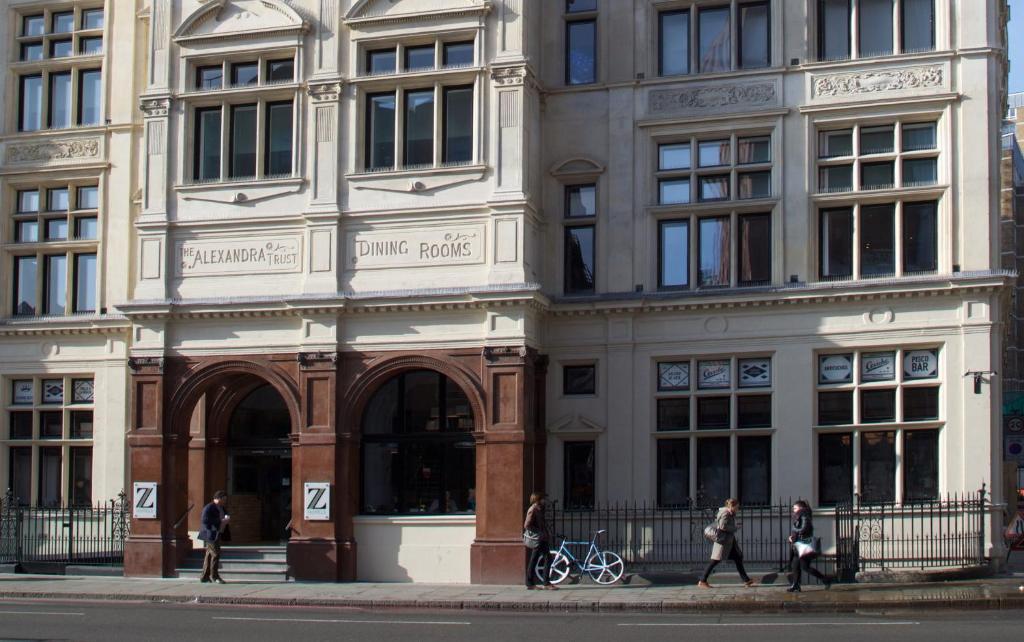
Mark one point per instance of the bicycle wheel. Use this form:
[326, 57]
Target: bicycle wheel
[606, 568]
[559, 568]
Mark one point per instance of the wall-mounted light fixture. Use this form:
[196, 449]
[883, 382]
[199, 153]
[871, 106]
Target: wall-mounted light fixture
[979, 376]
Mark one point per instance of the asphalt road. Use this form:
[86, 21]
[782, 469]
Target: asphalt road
[51, 620]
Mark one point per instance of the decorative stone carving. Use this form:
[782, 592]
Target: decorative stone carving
[712, 98]
[153, 364]
[55, 150]
[155, 107]
[512, 77]
[885, 80]
[233, 18]
[505, 353]
[325, 92]
[313, 359]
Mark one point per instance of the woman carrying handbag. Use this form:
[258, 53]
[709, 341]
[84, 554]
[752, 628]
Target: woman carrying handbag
[537, 537]
[803, 547]
[726, 546]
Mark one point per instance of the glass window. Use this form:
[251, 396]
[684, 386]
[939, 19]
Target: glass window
[577, 6]
[26, 232]
[835, 178]
[920, 171]
[53, 391]
[674, 43]
[21, 424]
[673, 376]
[579, 259]
[86, 228]
[579, 475]
[920, 404]
[715, 188]
[755, 247]
[920, 465]
[673, 413]
[60, 100]
[674, 253]
[57, 199]
[877, 140]
[60, 48]
[835, 468]
[835, 408]
[417, 58]
[754, 35]
[56, 284]
[31, 103]
[580, 200]
[211, 77]
[278, 161]
[90, 90]
[713, 413]
[754, 474]
[380, 141]
[85, 283]
[31, 51]
[419, 127]
[243, 141]
[714, 38]
[919, 137]
[754, 185]
[20, 475]
[580, 52]
[245, 73]
[833, 29]
[81, 424]
[713, 153]
[207, 144]
[33, 25]
[25, 270]
[754, 411]
[579, 380]
[49, 477]
[281, 70]
[754, 150]
[877, 406]
[875, 27]
[28, 200]
[712, 471]
[458, 124]
[673, 473]
[877, 467]
[92, 19]
[877, 175]
[51, 425]
[383, 61]
[920, 237]
[674, 156]
[715, 257]
[80, 493]
[57, 229]
[88, 197]
[63, 22]
[917, 25]
[835, 144]
[459, 54]
[673, 191]
[877, 240]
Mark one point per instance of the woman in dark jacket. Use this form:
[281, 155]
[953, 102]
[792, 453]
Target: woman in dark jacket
[802, 531]
[537, 522]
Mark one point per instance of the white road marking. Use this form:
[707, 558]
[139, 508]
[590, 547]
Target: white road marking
[696, 624]
[37, 613]
[289, 619]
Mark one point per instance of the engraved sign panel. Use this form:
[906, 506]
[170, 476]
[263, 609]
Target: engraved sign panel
[674, 375]
[227, 256]
[378, 249]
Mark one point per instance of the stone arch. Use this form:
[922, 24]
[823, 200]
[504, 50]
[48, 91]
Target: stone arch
[213, 9]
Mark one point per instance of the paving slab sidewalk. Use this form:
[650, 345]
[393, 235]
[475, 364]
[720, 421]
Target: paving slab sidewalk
[994, 593]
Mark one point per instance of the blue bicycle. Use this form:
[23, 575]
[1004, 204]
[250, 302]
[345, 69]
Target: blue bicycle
[604, 567]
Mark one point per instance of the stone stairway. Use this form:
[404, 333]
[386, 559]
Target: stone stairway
[250, 564]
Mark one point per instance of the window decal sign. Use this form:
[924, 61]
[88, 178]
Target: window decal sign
[674, 375]
[878, 366]
[755, 373]
[317, 501]
[835, 368]
[22, 393]
[144, 500]
[714, 374]
[53, 391]
[921, 364]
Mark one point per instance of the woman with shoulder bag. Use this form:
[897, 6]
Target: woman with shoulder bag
[537, 537]
[726, 546]
[803, 547]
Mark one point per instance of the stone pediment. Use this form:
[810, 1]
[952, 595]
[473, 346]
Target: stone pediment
[226, 18]
[396, 10]
[577, 167]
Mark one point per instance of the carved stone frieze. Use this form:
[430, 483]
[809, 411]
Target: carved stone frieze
[515, 354]
[155, 107]
[53, 150]
[325, 92]
[712, 98]
[317, 359]
[513, 77]
[146, 365]
[880, 81]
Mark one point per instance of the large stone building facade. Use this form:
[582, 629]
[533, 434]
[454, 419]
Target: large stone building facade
[380, 268]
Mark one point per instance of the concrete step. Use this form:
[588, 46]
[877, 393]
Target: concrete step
[238, 565]
[237, 576]
[242, 564]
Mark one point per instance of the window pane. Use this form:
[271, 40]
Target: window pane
[713, 413]
[877, 239]
[833, 29]
[674, 42]
[835, 144]
[281, 70]
[243, 141]
[25, 285]
[33, 25]
[53, 391]
[754, 475]
[715, 44]
[60, 48]
[714, 188]
[23, 393]
[26, 232]
[713, 153]
[21, 425]
[877, 175]
[754, 411]
[81, 477]
[49, 477]
[877, 467]
[31, 101]
[875, 27]
[63, 22]
[918, 24]
[56, 284]
[580, 200]
[210, 77]
[580, 52]
[575, 6]
[247, 73]
[85, 283]
[381, 62]
[207, 152]
[877, 406]
[835, 408]
[920, 171]
[754, 150]
[673, 472]
[674, 413]
[86, 228]
[57, 229]
[754, 185]
[380, 140]
[92, 19]
[458, 54]
[920, 465]
[421, 401]
[578, 380]
[920, 237]
[674, 254]
[920, 404]
[60, 100]
[755, 247]
[458, 124]
[579, 259]
[20, 475]
[278, 159]
[57, 199]
[419, 128]
[877, 140]
[87, 197]
[714, 251]
[674, 156]
[674, 190]
[712, 471]
[419, 58]
[89, 93]
[51, 425]
[837, 178]
[28, 201]
[579, 475]
[918, 137]
[32, 51]
[754, 37]
[835, 468]
[81, 424]
[418, 477]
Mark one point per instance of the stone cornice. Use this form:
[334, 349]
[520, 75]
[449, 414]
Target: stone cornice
[355, 20]
[103, 324]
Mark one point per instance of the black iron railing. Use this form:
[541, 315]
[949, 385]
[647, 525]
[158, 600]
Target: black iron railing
[80, 535]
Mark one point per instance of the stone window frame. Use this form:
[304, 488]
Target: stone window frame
[693, 50]
[939, 37]
[856, 386]
[66, 443]
[592, 16]
[858, 158]
[41, 248]
[692, 433]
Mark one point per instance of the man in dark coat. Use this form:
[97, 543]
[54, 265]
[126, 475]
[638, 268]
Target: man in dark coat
[211, 525]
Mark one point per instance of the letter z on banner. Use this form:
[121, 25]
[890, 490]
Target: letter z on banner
[317, 501]
[144, 500]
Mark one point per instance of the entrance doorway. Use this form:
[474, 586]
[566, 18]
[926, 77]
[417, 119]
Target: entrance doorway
[260, 468]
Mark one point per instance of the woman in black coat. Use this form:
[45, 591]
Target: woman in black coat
[802, 531]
